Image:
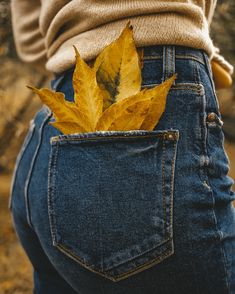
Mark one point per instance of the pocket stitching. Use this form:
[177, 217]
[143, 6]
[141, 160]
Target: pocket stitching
[61, 247]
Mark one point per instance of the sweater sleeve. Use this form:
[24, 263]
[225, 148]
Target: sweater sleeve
[29, 42]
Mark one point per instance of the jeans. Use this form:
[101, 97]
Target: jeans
[131, 212]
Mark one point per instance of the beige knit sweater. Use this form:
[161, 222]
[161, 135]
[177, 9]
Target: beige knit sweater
[45, 30]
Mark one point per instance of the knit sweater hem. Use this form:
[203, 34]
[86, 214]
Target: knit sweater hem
[163, 29]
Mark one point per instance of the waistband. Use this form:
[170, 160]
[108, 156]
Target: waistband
[169, 54]
[177, 51]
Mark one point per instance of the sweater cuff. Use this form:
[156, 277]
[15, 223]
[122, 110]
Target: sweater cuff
[218, 58]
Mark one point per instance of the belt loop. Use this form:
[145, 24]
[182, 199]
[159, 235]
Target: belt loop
[168, 59]
[140, 51]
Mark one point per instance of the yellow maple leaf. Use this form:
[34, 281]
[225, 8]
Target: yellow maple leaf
[121, 110]
[87, 94]
[63, 110]
[108, 96]
[153, 101]
[158, 104]
[118, 69]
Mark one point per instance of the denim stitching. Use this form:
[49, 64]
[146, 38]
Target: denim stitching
[168, 62]
[83, 262]
[150, 57]
[123, 275]
[146, 265]
[84, 137]
[163, 184]
[207, 178]
[196, 73]
[173, 161]
[190, 57]
[171, 196]
[27, 182]
[19, 158]
[172, 185]
[177, 56]
[171, 218]
[52, 219]
[220, 238]
[51, 191]
[180, 86]
[220, 234]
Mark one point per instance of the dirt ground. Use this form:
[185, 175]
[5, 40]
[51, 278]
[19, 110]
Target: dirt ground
[15, 269]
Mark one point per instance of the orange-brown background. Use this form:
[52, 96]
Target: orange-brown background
[18, 106]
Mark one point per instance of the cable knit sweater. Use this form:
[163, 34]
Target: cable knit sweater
[45, 30]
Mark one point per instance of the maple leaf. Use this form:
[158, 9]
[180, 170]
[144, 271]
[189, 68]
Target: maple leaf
[121, 110]
[108, 96]
[87, 94]
[63, 111]
[158, 104]
[118, 69]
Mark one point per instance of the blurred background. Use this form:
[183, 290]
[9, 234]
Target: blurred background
[18, 105]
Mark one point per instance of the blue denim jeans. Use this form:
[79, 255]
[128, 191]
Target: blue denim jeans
[131, 212]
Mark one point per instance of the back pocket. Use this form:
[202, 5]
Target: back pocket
[110, 199]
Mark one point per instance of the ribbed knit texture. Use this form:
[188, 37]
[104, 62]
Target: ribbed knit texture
[45, 31]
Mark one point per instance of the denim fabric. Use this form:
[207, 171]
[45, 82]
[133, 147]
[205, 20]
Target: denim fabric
[134, 212]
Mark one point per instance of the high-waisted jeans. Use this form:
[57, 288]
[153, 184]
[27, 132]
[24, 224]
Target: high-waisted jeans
[131, 212]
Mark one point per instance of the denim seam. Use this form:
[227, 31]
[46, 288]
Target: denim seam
[172, 187]
[27, 182]
[205, 152]
[19, 158]
[168, 61]
[146, 265]
[173, 161]
[69, 252]
[161, 135]
[51, 191]
[152, 57]
[220, 234]
[177, 56]
[196, 73]
[180, 86]
[163, 186]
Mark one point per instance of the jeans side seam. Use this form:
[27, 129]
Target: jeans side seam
[19, 158]
[207, 178]
[173, 163]
[163, 185]
[189, 57]
[220, 239]
[27, 182]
